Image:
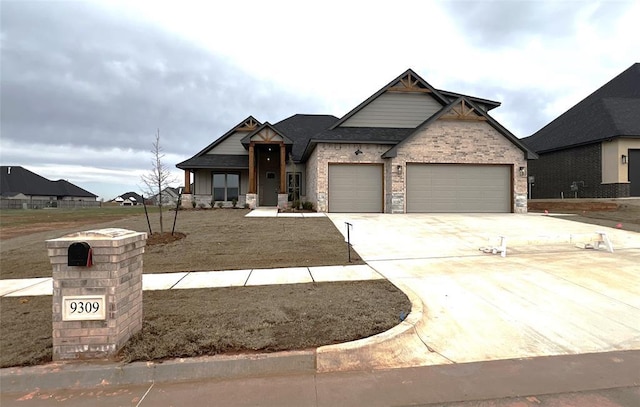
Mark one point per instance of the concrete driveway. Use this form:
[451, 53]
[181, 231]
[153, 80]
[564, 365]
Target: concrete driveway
[546, 297]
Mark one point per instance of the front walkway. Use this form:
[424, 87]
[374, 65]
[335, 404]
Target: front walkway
[272, 212]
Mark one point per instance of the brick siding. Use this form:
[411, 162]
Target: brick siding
[445, 141]
[556, 171]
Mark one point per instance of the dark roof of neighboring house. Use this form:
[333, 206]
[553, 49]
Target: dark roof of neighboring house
[611, 111]
[129, 195]
[16, 179]
[492, 122]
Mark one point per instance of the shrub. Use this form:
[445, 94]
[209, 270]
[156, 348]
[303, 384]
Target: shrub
[246, 206]
[307, 205]
[219, 204]
[234, 201]
[295, 204]
[193, 203]
[202, 205]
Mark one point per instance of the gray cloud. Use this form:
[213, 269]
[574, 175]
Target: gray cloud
[75, 74]
[508, 23]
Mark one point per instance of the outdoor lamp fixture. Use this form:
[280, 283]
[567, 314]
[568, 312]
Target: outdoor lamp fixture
[399, 167]
[358, 152]
[624, 159]
[522, 171]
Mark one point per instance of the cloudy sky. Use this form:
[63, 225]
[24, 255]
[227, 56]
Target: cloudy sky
[86, 84]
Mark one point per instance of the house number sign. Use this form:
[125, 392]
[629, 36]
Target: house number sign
[83, 308]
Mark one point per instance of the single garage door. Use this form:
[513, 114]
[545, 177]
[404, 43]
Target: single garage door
[355, 188]
[458, 188]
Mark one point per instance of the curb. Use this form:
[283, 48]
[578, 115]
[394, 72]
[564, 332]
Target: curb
[61, 375]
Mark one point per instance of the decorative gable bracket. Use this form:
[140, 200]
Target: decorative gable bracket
[463, 111]
[409, 83]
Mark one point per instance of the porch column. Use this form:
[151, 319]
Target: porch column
[252, 169]
[283, 168]
[187, 182]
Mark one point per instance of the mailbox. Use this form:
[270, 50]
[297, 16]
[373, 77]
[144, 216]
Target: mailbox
[79, 254]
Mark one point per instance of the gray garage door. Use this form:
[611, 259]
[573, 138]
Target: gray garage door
[355, 188]
[458, 188]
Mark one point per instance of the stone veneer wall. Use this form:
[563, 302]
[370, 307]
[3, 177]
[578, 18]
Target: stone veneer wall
[117, 274]
[459, 142]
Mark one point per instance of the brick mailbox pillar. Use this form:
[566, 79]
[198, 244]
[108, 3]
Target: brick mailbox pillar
[97, 292]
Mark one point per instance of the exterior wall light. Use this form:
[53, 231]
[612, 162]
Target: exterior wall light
[522, 171]
[624, 159]
[399, 167]
[358, 152]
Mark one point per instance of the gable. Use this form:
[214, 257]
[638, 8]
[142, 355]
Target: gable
[267, 135]
[395, 109]
[231, 145]
[460, 110]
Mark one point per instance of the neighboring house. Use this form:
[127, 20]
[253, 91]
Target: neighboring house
[170, 196]
[407, 148]
[128, 199]
[18, 183]
[593, 149]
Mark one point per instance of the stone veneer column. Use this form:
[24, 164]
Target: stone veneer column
[115, 278]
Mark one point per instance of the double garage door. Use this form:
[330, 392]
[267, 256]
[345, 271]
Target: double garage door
[429, 188]
[458, 188]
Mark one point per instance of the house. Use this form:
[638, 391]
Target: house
[18, 183]
[408, 148]
[129, 199]
[170, 196]
[593, 149]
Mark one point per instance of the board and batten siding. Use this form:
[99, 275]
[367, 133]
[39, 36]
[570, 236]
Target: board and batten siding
[231, 145]
[202, 182]
[398, 110]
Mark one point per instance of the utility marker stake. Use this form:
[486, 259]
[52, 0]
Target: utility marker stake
[349, 226]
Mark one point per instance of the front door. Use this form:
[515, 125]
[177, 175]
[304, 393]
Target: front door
[270, 190]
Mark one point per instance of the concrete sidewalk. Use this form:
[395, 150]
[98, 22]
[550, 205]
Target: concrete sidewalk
[210, 279]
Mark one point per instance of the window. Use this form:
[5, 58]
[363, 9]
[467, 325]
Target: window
[226, 187]
[294, 185]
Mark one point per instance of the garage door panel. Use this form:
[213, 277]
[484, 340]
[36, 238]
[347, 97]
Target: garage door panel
[458, 188]
[355, 188]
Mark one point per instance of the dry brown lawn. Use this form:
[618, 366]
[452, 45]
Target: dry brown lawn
[183, 323]
[221, 239]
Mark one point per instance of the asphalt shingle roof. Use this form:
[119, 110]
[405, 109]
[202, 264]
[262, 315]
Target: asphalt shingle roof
[216, 161]
[302, 127]
[611, 111]
[16, 179]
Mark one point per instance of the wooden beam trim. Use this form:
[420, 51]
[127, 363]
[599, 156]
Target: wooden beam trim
[408, 90]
